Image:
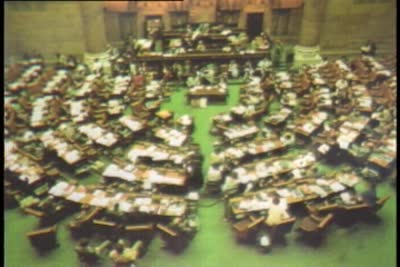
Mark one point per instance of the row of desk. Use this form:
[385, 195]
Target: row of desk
[148, 204]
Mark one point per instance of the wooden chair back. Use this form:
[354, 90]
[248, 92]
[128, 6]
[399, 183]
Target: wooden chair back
[44, 238]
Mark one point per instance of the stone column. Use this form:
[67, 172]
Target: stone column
[140, 21]
[92, 14]
[307, 51]
[267, 18]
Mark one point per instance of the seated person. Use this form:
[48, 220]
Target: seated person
[201, 46]
[61, 60]
[87, 255]
[117, 256]
[123, 256]
[184, 224]
[133, 68]
[264, 66]
[215, 172]
[71, 62]
[187, 68]
[233, 69]
[209, 74]
[203, 28]
[368, 49]
[193, 80]
[111, 51]
[167, 73]
[188, 44]
[97, 66]
[248, 70]
[277, 212]
[242, 39]
[223, 78]
[189, 29]
[266, 38]
[178, 71]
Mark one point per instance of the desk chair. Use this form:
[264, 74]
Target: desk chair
[322, 209]
[44, 238]
[34, 212]
[246, 229]
[107, 228]
[278, 231]
[10, 198]
[363, 210]
[88, 258]
[313, 225]
[91, 257]
[380, 202]
[144, 232]
[173, 239]
[285, 226]
[82, 225]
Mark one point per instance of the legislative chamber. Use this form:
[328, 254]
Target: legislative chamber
[200, 133]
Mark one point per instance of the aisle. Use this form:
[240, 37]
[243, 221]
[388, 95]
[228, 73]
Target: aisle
[202, 117]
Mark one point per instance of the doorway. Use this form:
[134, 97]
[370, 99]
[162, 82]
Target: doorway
[254, 24]
[152, 24]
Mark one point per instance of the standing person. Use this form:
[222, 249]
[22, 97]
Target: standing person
[276, 53]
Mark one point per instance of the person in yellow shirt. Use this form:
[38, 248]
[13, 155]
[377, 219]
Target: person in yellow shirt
[276, 213]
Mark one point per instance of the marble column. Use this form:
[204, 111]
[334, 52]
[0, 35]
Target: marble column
[92, 14]
[307, 51]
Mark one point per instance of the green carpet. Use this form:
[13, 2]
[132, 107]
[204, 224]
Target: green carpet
[214, 245]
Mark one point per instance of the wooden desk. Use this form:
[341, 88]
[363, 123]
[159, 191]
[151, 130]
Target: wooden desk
[130, 203]
[212, 93]
[206, 56]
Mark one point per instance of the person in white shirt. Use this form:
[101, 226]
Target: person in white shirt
[201, 46]
[264, 66]
[248, 70]
[233, 69]
[193, 80]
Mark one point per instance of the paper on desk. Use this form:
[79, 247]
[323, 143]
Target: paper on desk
[348, 179]
[347, 198]
[284, 192]
[245, 204]
[76, 196]
[100, 201]
[336, 187]
[125, 206]
[72, 156]
[318, 190]
[143, 201]
[322, 182]
[58, 189]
